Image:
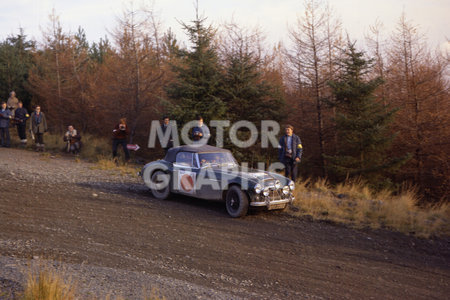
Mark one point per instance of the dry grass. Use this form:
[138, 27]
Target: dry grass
[94, 149]
[47, 284]
[105, 163]
[53, 142]
[4, 295]
[355, 204]
[92, 146]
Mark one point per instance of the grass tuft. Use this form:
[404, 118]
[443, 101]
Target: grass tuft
[47, 284]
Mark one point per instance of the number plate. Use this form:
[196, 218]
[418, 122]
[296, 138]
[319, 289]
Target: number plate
[277, 206]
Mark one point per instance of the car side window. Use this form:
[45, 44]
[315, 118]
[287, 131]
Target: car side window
[184, 159]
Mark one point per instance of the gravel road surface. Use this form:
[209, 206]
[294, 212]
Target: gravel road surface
[108, 234]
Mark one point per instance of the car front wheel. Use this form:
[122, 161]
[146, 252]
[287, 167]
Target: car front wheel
[237, 202]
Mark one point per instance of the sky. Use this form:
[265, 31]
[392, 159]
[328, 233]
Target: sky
[98, 17]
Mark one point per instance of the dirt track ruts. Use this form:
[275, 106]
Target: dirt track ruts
[116, 239]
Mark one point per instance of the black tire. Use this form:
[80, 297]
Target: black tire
[236, 202]
[164, 193]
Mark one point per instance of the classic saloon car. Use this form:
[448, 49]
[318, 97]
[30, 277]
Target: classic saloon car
[208, 172]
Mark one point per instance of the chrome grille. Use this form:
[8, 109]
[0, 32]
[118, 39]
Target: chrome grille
[274, 194]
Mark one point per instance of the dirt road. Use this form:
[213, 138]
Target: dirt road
[115, 238]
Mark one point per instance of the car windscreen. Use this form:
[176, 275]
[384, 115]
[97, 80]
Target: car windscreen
[216, 159]
[184, 159]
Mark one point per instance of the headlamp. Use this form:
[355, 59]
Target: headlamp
[257, 188]
[292, 185]
[277, 184]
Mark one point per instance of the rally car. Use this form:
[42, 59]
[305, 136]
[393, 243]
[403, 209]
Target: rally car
[209, 172]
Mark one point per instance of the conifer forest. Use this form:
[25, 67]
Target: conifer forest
[377, 109]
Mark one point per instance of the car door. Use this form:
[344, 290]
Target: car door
[208, 181]
[185, 175]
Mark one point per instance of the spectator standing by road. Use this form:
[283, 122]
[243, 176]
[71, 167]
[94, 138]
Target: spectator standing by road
[20, 117]
[290, 152]
[166, 127]
[13, 102]
[120, 135]
[38, 127]
[5, 117]
[201, 131]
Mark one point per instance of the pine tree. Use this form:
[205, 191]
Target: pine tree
[197, 86]
[99, 51]
[247, 94]
[16, 59]
[249, 91]
[362, 123]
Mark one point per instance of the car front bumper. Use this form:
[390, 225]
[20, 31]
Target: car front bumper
[272, 203]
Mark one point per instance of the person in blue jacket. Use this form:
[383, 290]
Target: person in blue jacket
[5, 117]
[290, 152]
[201, 131]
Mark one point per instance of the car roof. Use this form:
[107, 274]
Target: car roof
[172, 152]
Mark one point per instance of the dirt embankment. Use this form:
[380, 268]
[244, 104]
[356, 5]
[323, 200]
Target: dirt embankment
[106, 232]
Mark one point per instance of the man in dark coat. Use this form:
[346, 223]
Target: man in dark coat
[20, 117]
[164, 127]
[290, 152]
[5, 117]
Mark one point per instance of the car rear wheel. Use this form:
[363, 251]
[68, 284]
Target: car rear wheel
[236, 202]
[160, 185]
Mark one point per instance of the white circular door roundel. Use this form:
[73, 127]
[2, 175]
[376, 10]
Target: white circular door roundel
[186, 181]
